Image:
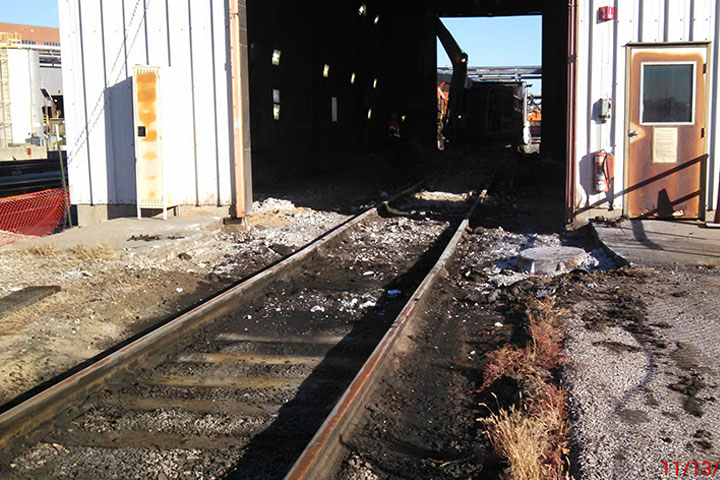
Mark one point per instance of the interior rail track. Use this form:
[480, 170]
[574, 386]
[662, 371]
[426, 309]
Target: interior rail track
[321, 458]
[230, 388]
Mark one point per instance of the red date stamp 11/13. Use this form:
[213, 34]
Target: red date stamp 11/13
[680, 469]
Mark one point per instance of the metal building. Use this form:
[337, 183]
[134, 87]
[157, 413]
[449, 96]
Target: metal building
[190, 43]
[634, 79]
[656, 63]
[29, 63]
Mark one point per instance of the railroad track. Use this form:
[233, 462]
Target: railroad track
[259, 381]
[26, 176]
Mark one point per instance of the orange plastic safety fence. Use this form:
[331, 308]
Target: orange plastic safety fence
[32, 214]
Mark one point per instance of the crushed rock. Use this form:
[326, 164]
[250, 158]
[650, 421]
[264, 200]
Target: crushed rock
[271, 203]
[109, 294]
[496, 260]
[443, 196]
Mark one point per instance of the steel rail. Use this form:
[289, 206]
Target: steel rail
[322, 456]
[58, 397]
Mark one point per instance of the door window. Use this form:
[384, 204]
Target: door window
[668, 92]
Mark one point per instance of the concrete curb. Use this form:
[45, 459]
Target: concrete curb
[619, 259]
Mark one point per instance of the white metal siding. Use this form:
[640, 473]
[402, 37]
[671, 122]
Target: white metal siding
[25, 103]
[51, 79]
[94, 80]
[112, 37]
[714, 125]
[601, 73]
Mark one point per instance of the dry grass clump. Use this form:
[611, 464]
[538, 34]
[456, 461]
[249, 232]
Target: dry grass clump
[521, 439]
[75, 253]
[505, 361]
[98, 252]
[707, 266]
[534, 437]
[543, 351]
[44, 251]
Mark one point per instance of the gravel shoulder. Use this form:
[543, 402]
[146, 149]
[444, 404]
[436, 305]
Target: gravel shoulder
[352, 288]
[113, 287]
[642, 371]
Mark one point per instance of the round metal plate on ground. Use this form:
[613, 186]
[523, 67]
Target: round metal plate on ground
[546, 260]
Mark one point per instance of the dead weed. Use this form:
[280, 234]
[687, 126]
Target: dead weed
[74, 253]
[98, 252]
[534, 437]
[544, 350]
[707, 266]
[43, 251]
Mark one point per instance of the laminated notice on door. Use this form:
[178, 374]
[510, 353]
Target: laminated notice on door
[665, 144]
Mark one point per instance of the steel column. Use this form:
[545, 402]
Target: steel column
[242, 180]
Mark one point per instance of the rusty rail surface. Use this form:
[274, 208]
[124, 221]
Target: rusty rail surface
[322, 456]
[58, 397]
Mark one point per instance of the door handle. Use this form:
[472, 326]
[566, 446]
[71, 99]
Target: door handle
[634, 133]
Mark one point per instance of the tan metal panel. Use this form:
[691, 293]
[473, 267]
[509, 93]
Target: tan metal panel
[151, 191]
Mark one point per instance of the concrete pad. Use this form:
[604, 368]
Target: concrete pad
[125, 233]
[546, 260]
[662, 242]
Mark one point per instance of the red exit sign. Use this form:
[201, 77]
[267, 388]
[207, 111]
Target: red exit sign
[606, 13]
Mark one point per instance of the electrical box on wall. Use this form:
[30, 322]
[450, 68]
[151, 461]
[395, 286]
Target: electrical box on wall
[605, 109]
[152, 191]
[606, 13]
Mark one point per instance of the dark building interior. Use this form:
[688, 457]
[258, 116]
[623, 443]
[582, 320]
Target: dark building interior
[327, 76]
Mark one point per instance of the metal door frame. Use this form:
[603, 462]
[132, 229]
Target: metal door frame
[629, 47]
[571, 113]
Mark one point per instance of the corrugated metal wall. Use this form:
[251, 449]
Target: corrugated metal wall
[101, 41]
[601, 73]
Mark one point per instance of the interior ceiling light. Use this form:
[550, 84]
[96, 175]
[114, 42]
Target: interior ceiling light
[375, 83]
[326, 71]
[362, 10]
[276, 57]
[352, 78]
[369, 114]
[276, 111]
[377, 19]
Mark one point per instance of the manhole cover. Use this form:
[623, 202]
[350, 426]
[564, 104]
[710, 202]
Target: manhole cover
[544, 260]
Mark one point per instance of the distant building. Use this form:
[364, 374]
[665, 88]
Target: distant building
[30, 82]
[32, 35]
